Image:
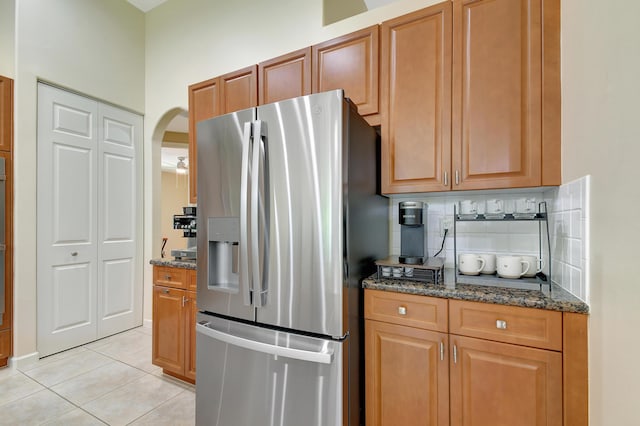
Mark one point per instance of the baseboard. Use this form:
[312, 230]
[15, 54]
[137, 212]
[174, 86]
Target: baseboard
[25, 361]
[147, 323]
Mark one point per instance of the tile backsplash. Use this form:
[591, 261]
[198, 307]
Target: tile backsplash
[567, 205]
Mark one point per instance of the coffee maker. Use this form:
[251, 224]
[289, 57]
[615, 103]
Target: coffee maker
[187, 223]
[413, 235]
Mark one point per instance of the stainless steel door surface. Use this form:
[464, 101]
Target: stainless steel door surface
[221, 146]
[304, 145]
[249, 375]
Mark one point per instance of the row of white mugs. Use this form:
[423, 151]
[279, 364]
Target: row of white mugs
[506, 266]
[497, 206]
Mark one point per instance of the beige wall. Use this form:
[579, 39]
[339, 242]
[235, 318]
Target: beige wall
[7, 38]
[93, 47]
[175, 195]
[601, 137]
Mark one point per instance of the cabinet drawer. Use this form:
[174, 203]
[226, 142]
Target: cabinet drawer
[170, 277]
[429, 313]
[510, 324]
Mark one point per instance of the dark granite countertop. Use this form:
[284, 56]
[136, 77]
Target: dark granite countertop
[173, 263]
[558, 300]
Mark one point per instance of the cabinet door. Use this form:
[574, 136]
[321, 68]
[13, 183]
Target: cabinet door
[204, 103]
[190, 336]
[497, 59]
[7, 253]
[168, 329]
[285, 77]
[5, 347]
[416, 101]
[407, 380]
[6, 113]
[349, 62]
[239, 90]
[498, 384]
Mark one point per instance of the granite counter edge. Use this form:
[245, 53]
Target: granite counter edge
[560, 299]
[173, 263]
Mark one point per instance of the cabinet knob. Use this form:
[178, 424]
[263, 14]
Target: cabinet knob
[402, 310]
[167, 277]
[165, 290]
[502, 325]
[74, 253]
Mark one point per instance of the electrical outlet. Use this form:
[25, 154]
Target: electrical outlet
[446, 222]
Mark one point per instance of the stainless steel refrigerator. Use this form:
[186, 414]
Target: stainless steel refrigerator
[289, 221]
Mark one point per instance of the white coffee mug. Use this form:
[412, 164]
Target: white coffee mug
[535, 265]
[525, 205]
[468, 207]
[470, 264]
[511, 266]
[489, 263]
[495, 206]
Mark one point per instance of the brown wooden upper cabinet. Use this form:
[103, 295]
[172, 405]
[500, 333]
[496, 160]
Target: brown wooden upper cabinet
[351, 63]
[6, 113]
[228, 93]
[503, 111]
[415, 85]
[285, 77]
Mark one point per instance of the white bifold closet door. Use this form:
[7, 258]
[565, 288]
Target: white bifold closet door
[89, 215]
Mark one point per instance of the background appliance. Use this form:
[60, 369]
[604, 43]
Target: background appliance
[290, 222]
[187, 222]
[413, 235]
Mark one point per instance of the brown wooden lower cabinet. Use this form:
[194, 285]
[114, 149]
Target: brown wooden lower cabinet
[503, 384]
[174, 312]
[5, 347]
[433, 361]
[407, 375]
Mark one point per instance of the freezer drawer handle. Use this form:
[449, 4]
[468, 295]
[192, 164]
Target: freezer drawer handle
[318, 357]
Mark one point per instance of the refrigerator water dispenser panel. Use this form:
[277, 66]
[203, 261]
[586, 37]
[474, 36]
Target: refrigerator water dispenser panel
[223, 236]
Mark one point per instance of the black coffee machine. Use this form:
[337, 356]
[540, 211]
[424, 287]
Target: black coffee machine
[187, 223]
[413, 235]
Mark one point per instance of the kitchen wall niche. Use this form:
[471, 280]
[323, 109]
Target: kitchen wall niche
[568, 220]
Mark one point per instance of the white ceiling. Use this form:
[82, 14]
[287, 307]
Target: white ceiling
[146, 5]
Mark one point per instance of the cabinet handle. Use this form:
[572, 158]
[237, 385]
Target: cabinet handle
[441, 351]
[457, 177]
[184, 300]
[402, 310]
[446, 179]
[455, 354]
[500, 324]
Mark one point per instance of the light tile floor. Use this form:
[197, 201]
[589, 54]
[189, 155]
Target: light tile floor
[110, 381]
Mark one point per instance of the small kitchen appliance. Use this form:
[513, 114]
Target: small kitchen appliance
[413, 235]
[187, 223]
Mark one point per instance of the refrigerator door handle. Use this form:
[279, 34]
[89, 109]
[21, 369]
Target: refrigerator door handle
[259, 214]
[299, 354]
[245, 279]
